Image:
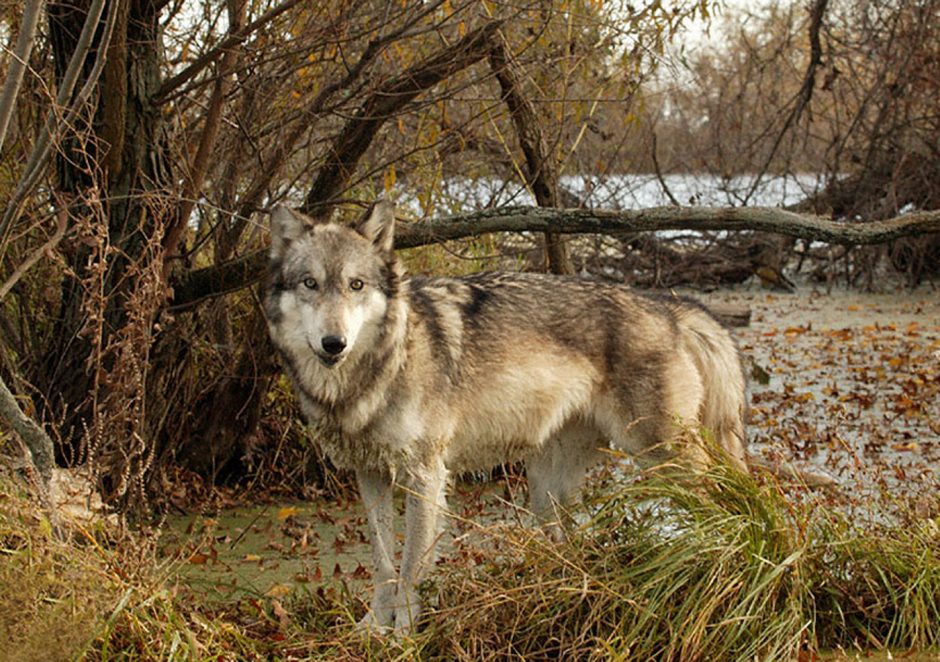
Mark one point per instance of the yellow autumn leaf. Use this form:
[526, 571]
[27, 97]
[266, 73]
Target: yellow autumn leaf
[389, 179]
[278, 591]
[287, 511]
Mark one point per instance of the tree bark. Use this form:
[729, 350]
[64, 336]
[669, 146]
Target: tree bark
[128, 141]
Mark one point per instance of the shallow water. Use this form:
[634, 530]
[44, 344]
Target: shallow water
[269, 549]
[633, 191]
[854, 382]
[272, 550]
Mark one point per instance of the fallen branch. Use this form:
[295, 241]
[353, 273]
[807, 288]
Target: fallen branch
[236, 274]
[731, 314]
[587, 221]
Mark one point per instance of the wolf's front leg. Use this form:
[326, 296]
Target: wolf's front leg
[375, 488]
[423, 507]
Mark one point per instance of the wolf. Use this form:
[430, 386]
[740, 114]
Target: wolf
[419, 378]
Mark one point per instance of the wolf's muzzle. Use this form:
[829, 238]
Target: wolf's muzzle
[333, 345]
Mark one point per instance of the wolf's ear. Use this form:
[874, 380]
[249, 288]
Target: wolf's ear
[286, 226]
[378, 226]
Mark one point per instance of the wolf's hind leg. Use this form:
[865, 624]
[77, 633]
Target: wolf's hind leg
[556, 473]
[376, 491]
[423, 507]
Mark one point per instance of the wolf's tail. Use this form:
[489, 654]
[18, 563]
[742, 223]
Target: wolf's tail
[719, 366]
[724, 405]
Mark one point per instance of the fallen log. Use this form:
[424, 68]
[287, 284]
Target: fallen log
[731, 314]
[201, 284]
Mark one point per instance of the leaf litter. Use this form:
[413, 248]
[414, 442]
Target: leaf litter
[847, 382]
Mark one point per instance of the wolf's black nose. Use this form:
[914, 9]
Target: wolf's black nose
[333, 344]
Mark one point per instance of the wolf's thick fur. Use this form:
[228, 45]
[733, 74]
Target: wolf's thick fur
[420, 377]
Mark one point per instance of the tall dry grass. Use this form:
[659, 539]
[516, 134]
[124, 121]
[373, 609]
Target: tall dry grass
[728, 567]
[723, 568]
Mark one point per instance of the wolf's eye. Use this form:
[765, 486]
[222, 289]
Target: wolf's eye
[310, 283]
[356, 284]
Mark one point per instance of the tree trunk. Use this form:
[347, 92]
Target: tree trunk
[117, 158]
[541, 173]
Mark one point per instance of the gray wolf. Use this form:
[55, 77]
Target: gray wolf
[417, 378]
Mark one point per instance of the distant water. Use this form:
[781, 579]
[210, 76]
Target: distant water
[458, 194]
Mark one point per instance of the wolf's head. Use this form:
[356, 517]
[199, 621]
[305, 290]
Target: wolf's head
[329, 285]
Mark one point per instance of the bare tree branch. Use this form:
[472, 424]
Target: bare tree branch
[207, 140]
[171, 85]
[42, 147]
[541, 173]
[355, 138]
[250, 200]
[18, 63]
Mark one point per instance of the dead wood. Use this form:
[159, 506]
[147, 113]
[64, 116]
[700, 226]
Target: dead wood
[233, 275]
[731, 314]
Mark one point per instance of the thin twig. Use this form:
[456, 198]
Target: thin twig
[659, 172]
[18, 63]
[168, 89]
[62, 218]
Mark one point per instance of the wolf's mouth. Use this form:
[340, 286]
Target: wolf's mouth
[329, 360]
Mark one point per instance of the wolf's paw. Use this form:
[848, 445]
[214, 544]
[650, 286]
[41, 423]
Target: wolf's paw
[406, 617]
[370, 625]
